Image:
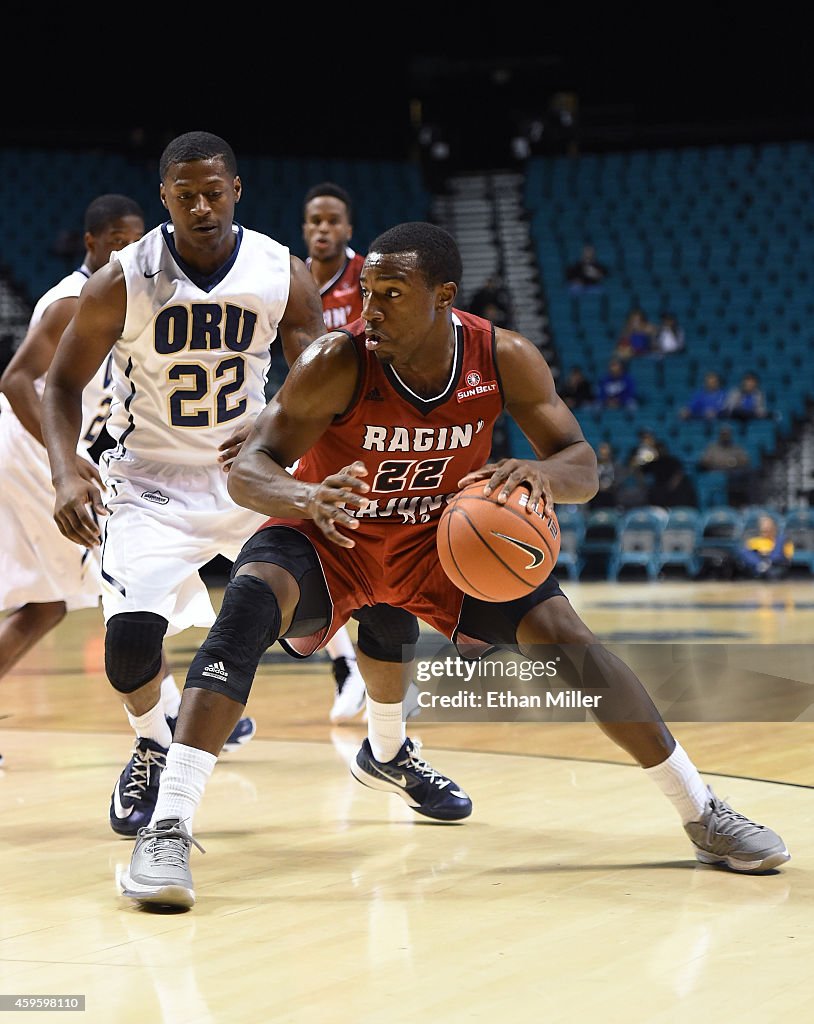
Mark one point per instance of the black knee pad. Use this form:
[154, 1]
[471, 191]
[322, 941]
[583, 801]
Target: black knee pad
[247, 625]
[386, 633]
[133, 649]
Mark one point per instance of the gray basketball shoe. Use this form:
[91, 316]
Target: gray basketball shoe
[723, 836]
[159, 868]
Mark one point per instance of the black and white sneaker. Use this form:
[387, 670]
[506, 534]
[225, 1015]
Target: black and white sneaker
[136, 792]
[426, 790]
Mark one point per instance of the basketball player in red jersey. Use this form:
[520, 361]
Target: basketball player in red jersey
[387, 420]
[327, 228]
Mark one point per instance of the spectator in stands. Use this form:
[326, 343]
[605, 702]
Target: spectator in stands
[765, 555]
[587, 274]
[669, 483]
[492, 301]
[609, 469]
[577, 391]
[631, 487]
[724, 455]
[637, 336]
[630, 483]
[708, 402]
[746, 402]
[669, 336]
[645, 450]
[617, 387]
[621, 485]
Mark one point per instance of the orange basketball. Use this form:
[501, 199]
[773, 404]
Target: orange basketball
[496, 552]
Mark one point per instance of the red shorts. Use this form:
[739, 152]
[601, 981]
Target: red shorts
[391, 565]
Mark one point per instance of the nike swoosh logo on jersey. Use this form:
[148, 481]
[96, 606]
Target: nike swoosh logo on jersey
[537, 555]
[398, 780]
[153, 274]
[118, 806]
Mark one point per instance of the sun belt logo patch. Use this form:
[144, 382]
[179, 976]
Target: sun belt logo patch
[475, 387]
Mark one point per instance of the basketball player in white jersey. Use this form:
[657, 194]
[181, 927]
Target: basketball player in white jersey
[43, 575]
[188, 314]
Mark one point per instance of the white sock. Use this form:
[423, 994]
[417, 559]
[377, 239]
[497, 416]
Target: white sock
[385, 729]
[152, 725]
[340, 646]
[678, 779]
[170, 695]
[182, 783]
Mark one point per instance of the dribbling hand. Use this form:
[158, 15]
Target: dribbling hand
[506, 475]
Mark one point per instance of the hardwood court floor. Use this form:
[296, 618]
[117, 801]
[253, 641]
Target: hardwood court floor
[570, 895]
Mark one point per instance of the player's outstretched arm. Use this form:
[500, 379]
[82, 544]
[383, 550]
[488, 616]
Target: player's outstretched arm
[566, 466]
[88, 338]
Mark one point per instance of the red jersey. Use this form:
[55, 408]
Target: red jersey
[416, 449]
[342, 296]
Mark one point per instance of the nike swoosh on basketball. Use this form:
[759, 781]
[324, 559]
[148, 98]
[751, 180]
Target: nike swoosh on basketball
[537, 556]
[399, 780]
[153, 274]
[118, 806]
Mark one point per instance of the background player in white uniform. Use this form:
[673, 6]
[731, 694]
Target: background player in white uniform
[43, 575]
[188, 313]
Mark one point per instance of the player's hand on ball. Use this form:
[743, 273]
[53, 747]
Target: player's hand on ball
[325, 507]
[503, 477]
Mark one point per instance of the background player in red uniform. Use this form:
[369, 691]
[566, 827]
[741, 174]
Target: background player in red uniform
[327, 228]
[356, 525]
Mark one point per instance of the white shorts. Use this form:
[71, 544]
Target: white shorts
[37, 564]
[166, 522]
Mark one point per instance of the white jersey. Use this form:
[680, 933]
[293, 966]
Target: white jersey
[37, 564]
[96, 396]
[191, 365]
